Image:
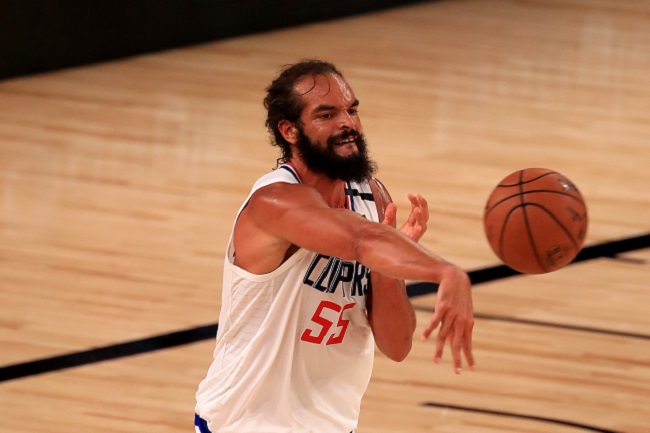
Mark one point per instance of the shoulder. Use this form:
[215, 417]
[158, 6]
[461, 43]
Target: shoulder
[281, 182]
[282, 174]
[278, 197]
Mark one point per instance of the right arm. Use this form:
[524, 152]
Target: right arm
[281, 216]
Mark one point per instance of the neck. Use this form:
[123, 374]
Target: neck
[332, 190]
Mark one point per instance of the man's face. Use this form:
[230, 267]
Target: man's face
[330, 139]
[324, 159]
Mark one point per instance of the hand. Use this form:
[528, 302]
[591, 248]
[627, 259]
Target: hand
[416, 224]
[454, 313]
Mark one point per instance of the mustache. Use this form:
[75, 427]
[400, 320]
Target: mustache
[343, 135]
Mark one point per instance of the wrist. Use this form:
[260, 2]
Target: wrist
[454, 273]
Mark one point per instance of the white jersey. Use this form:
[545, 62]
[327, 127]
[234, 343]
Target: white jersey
[294, 349]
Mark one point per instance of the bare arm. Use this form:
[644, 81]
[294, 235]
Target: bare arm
[390, 312]
[453, 311]
[280, 216]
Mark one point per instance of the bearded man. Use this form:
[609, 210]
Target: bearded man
[314, 274]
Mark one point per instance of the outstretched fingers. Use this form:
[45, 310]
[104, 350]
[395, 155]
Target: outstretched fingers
[454, 313]
[420, 203]
[467, 345]
[416, 223]
[455, 330]
[460, 340]
[433, 324]
[445, 333]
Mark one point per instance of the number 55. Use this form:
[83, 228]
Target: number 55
[326, 324]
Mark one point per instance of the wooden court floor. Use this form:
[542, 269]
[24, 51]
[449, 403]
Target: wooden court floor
[119, 183]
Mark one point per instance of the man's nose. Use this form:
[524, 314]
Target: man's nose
[346, 121]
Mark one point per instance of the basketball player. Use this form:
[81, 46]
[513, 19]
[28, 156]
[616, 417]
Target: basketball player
[314, 275]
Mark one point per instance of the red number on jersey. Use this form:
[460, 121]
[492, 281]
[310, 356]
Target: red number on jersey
[326, 324]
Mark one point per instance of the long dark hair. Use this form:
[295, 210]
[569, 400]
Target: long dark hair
[282, 103]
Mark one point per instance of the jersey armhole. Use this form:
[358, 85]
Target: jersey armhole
[382, 197]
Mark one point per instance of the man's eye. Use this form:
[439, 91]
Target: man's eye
[326, 116]
[353, 111]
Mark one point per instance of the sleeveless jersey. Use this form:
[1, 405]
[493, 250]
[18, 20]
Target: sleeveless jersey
[294, 350]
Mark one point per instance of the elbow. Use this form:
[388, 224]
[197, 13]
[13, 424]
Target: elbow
[399, 354]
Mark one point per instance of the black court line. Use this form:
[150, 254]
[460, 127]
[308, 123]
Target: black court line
[135, 347]
[606, 249]
[550, 324]
[520, 416]
[206, 332]
[563, 326]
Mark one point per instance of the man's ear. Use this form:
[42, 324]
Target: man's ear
[288, 131]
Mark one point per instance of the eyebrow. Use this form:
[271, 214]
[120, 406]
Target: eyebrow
[324, 107]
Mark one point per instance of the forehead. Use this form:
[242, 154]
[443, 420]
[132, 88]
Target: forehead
[329, 89]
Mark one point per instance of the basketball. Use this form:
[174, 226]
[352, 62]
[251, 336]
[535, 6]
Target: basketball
[535, 220]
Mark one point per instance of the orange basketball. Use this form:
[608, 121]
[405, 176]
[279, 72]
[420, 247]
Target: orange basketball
[535, 220]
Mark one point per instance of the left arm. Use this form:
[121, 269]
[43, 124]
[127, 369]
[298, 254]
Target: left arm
[390, 312]
[391, 316]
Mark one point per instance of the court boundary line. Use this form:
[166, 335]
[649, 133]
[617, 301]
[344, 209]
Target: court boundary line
[518, 415]
[205, 332]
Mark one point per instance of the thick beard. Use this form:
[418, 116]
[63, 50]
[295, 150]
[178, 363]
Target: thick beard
[356, 167]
